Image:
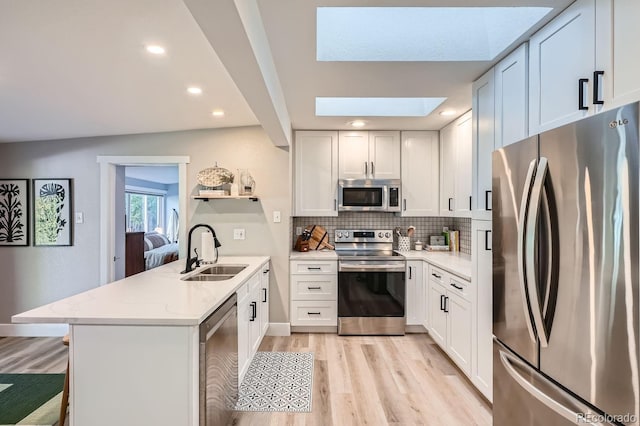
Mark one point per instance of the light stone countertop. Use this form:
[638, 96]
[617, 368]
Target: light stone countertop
[456, 263]
[154, 297]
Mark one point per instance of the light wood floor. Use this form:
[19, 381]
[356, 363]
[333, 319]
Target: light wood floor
[358, 380]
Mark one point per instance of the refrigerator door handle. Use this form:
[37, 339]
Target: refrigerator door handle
[569, 407]
[535, 206]
[522, 222]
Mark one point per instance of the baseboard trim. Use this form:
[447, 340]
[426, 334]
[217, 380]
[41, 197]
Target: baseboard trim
[415, 329]
[33, 330]
[315, 329]
[279, 329]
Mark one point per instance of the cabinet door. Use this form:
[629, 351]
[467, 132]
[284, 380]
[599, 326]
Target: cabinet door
[482, 276]
[415, 293]
[447, 169]
[618, 51]
[420, 173]
[384, 155]
[512, 100]
[316, 173]
[483, 142]
[562, 53]
[264, 300]
[459, 331]
[463, 176]
[353, 155]
[244, 314]
[437, 315]
[255, 329]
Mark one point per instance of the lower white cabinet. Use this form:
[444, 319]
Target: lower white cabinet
[314, 293]
[482, 260]
[415, 293]
[450, 316]
[253, 317]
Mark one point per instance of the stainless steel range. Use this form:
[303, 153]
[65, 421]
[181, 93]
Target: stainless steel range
[371, 284]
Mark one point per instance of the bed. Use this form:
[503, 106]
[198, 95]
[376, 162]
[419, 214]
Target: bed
[158, 250]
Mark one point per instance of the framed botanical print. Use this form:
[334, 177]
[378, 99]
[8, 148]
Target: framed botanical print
[14, 212]
[52, 209]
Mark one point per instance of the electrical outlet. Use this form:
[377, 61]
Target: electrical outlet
[298, 230]
[79, 217]
[238, 234]
[276, 217]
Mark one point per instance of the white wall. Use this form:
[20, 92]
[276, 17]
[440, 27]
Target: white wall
[33, 276]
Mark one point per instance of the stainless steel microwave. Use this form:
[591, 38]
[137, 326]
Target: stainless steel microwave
[369, 195]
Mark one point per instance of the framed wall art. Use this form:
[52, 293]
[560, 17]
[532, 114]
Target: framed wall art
[14, 212]
[52, 207]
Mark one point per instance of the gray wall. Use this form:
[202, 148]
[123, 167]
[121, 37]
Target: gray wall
[33, 276]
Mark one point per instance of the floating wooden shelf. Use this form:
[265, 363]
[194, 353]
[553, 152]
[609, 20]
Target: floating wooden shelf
[225, 197]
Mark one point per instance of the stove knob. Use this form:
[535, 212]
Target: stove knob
[380, 234]
[387, 234]
[339, 234]
[346, 234]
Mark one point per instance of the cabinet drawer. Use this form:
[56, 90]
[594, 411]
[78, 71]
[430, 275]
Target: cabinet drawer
[314, 267]
[437, 275]
[314, 313]
[459, 287]
[314, 287]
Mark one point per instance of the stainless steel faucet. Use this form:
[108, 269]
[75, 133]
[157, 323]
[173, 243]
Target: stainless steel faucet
[194, 260]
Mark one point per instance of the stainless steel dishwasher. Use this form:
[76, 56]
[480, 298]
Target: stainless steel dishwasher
[219, 364]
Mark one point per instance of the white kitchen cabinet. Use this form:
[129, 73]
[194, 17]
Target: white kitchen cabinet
[455, 167]
[561, 67]
[483, 106]
[415, 293]
[369, 155]
[450, 315]
[482, 277]
[244, 314]
[512, 98]
[618, 51]
[316, 173]
[264, 300]
[314, 293]
[420, 173]
[250, 329]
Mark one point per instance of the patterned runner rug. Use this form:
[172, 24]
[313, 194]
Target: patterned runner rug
[30, 399]
[277, 381]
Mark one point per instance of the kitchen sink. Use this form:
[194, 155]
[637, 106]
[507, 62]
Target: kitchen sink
[210, 277]
[222, 270]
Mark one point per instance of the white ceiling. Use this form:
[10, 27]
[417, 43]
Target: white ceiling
[75, 68]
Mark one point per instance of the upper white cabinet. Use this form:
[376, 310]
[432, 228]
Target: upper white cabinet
[420, 173]
[618, 51]
[483, 101]
[369, 155]
[561, 67]
[455, 167]
[316, 173]
[511, 98]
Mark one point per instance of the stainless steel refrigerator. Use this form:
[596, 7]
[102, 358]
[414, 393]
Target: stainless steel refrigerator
[565, 281]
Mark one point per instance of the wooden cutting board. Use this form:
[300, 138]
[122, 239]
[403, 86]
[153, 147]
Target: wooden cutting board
[319, 238]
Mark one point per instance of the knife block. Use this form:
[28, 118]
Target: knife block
[301, 245]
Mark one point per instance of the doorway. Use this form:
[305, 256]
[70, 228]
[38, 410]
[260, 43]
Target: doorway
[112, 171]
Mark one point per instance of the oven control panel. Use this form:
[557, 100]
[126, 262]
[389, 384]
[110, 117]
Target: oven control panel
[364, 236]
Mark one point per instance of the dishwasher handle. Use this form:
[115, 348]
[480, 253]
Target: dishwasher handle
[213, 321]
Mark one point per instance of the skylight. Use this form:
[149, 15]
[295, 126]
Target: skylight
[376, 107]
[420, 33]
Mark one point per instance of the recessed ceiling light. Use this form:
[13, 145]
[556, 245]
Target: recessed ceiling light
[155, 49]
[194, 90]
[447, 112]
[357, 123]
[218, 113]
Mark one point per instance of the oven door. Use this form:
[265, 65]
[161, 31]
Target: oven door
[371, 297]
[361, 196]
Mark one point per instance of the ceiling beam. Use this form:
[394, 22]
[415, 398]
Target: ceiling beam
[235, 31]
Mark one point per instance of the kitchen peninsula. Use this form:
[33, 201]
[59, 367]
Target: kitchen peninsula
[134, 350]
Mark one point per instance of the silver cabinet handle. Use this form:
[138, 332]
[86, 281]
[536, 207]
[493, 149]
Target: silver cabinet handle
[522, 222]
[335, 204]
[575, 414]
[366, 171]
[404, 204]
[530, 260]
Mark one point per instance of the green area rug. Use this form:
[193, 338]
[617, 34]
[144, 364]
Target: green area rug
[30, 399]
